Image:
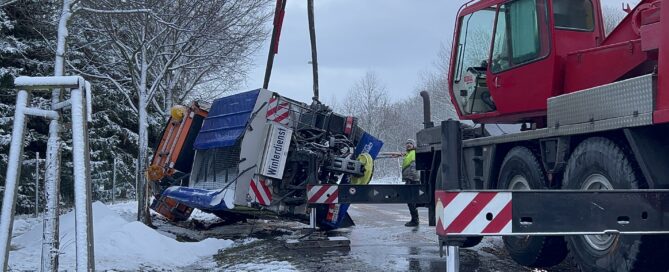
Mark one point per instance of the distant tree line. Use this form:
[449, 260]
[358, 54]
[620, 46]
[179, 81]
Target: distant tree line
[396, 121]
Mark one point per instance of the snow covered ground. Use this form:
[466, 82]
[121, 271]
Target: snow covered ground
[387, 180]
[121, 244]
[273, 266]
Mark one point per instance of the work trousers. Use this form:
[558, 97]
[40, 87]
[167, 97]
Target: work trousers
[412, 206]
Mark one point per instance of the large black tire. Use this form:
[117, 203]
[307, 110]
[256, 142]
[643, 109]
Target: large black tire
[472, 241]
[595, 162]
[521, 171]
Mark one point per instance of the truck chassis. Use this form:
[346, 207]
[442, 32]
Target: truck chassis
[473, 199]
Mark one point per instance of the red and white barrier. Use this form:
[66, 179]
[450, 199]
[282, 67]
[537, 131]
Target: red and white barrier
[473, 213]
[261, 192]
[323, 194]
[278, 111]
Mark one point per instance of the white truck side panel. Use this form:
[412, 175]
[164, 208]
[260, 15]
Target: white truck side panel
[252, 145]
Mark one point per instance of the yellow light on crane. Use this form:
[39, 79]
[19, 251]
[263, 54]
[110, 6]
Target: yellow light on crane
[155, 173]
[178, 112]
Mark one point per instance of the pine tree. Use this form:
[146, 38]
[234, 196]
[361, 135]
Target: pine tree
[24, 26]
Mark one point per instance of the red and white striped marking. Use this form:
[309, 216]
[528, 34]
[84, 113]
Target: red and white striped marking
[322, 194]
[333, 213]
[349, 125]
[473, 213]
[261, 192]
[278, 111]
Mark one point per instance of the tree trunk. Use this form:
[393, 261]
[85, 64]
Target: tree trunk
[50, 231]
[143, 213]
[142, 192]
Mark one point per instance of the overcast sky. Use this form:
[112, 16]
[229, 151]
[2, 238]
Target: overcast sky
[397, 39]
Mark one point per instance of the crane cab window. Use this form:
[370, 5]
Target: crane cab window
[574, 15]
[471, 55]
[474, 40]
[521, 34]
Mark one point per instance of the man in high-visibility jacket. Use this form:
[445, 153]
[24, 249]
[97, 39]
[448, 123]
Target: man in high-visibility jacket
[410, 176]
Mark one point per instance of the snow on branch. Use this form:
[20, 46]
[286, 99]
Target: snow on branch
[7, 3]
[125, 11]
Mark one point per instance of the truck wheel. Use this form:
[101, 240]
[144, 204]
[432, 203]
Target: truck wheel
[599, 164]
[521, 171]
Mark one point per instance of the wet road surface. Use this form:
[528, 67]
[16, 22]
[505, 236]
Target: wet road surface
[379, 242]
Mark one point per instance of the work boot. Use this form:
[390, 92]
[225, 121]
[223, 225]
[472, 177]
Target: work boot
[412, 223]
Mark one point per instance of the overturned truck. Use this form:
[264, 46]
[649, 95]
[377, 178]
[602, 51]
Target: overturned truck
[253, 154]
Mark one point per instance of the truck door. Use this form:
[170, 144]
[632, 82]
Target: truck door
[520, 72]
[470, 56]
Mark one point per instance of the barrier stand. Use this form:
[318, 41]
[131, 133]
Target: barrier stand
[452, 259]
[312, 218]
[451, 143]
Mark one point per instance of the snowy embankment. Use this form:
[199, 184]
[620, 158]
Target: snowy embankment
[120, 244]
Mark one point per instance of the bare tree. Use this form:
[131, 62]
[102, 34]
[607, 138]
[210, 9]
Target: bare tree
[368, 101]
[52, 174]
[7, 2]
[435, 82]
[161, 57]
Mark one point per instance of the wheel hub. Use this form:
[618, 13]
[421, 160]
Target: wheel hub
[598, 182]
[520, 183]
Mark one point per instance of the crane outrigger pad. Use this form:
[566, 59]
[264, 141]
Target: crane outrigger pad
[319, 242]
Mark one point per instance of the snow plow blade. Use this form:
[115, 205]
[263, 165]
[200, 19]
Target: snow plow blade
[206, 200]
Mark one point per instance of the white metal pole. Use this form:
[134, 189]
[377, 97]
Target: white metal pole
[312, 218]
[114, 182]
[12, 177]
[36, 184]
[452, 259]
[83, 226]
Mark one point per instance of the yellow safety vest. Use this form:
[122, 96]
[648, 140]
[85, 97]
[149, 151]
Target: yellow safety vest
[409, 158]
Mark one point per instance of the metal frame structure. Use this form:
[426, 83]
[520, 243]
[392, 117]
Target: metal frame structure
[81, 113]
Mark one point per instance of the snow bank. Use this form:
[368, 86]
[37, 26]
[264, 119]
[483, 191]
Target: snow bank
[119, 245]
[204, 216]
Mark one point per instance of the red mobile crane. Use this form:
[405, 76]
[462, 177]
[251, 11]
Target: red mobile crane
[585, 176]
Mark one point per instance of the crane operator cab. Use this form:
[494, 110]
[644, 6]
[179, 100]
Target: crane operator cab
[505, 60]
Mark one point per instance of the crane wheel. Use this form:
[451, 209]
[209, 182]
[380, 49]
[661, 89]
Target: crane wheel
[600, 164]
[521, 171]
